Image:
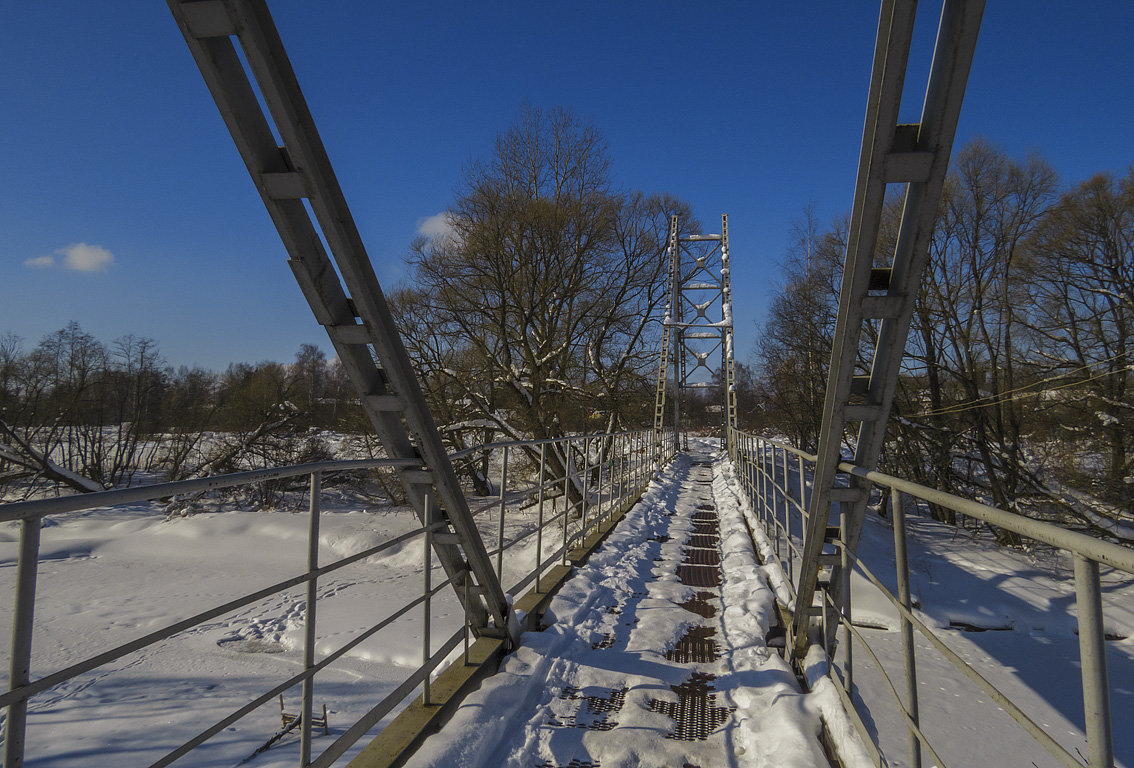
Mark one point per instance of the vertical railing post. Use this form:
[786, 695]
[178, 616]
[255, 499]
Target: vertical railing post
[769, 490]
[629, 469]
[600, 459]
[314, 492]
[902, 564]
[632, 465]
[614, 481]
[620, 476]
[427, 586]
[753, 475]
[611, 479]
[782, 490]
[539, 515]
[643, 474]
[788, 512]
[465, 606]
[19, 670]
[632, 462]
[786, 495]
[503, 505]
[617, 456]
[640, 477]
[1092, 662]
[606, 468]
[845, 578]
[759, 476]
[644, 479]
[770, 485]
[824, 618]
[773, 509]
[566, 493]
[623, 470]
[635, 460]
[740, 463]
[750, 471]
[738, 460]
[802, 496]
[586, 489]
[757, 480]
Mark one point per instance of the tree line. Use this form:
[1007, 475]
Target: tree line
[1018, 386]
[91, 415]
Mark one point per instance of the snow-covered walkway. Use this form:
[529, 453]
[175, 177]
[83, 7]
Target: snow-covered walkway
[654, 655]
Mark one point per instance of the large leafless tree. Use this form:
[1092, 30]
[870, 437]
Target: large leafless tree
[537, 314]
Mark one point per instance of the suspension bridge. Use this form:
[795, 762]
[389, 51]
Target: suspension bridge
[664, 598]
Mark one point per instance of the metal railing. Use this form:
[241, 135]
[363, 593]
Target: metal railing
[764, 469]
[594, 477]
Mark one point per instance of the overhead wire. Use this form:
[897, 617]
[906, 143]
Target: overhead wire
[1011, 394]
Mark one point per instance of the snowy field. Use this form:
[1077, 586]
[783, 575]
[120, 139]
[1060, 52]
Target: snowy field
[108, 576]
[1011, 616]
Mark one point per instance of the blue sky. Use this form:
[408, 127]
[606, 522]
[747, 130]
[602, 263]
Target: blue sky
[116, 165]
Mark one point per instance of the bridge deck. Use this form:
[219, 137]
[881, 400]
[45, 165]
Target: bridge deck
[641, 663]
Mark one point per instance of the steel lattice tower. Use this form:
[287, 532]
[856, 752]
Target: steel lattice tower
[700, 290]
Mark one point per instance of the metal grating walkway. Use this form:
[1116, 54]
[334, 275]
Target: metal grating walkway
[641, 665]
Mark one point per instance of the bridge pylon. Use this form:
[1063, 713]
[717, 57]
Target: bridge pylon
[700, 288]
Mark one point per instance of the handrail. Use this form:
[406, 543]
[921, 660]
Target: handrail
[1106, 552]
[67, 673]
[758, 461]
[957, 661]
[621, 468]
[542, 441]
[149, 492]
[77, 503]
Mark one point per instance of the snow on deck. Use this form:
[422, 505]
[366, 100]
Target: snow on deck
[642, 664]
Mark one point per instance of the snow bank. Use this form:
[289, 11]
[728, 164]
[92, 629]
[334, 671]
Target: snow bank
[827, 702]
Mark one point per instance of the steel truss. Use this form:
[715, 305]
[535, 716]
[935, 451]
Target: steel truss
[700, 285]
[878, 289]
[294, 176]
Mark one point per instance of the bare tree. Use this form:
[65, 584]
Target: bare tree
[794, 344]
[1082, 263]
[959, 427]
[539, 310]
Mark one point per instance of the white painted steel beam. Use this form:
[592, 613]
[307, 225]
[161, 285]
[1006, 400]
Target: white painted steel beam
[299, 171]
[919, 156]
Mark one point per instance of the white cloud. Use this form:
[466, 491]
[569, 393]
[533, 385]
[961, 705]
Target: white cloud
[82, 257]
[435, 227]
[40, 262]
[78, 257]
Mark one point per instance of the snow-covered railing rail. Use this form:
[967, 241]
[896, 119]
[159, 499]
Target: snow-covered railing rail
[595, 476]
[597, 471]
[765, 469]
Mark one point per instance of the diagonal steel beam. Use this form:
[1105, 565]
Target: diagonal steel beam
[337, 278]
[917, 156]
